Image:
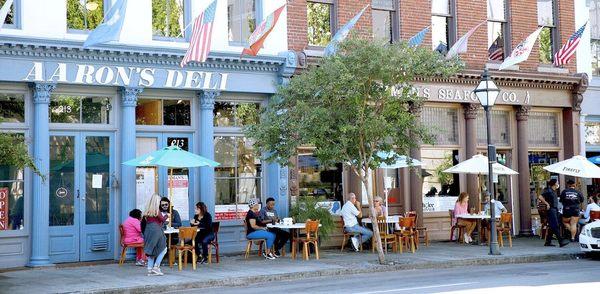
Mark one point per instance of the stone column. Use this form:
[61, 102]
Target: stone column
[416, 181]
[41, 187]
[207, 149]
[129, 96]
[470, 111]
[523, 168]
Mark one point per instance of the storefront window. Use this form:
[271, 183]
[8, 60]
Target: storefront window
[84, 15]
[546, 18]
[383, 19]
[12, 198]
[592, 133]
[320, 22]
[543, 129]
[443, 124]
[496, 15]
[318, 180]
[238, 178]
[440, 189]
[12, 108]
[80, 109]
[167, 18]
[235, 114]
[500, 120]
[241, 20]
[441, 25]
[10, 19]
[538, 175]
[169, 112]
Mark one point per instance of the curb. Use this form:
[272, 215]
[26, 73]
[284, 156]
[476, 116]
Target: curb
[244, 281]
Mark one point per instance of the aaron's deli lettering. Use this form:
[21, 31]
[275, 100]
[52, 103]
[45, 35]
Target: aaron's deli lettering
[88, 74]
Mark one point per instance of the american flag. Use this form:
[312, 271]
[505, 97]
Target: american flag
[201, 36]
[496, 51]
[568, 49]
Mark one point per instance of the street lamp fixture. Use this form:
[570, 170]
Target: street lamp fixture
[487, 92]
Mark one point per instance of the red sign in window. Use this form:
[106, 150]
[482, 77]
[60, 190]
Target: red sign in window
[3, 208]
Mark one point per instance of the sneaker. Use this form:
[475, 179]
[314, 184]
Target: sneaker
[563, 243]
[354, 243]
[157, 271]
[202, 260]
[151, 273]
[140, 263]
[269, 256]
[277, 254]
[466, 238]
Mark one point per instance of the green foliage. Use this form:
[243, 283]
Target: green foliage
[307, 208]
[546, 45]
[319, 23]
[444, 178]
[80, 18]
[166, 17]
[14, 153]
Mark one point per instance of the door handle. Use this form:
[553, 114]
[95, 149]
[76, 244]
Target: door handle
[77, 193]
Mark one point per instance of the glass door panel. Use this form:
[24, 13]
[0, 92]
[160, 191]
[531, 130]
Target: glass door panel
[97, 175]
[63, 190]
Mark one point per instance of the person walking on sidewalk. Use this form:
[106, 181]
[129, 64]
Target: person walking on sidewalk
[255, 230]
[155, 245]
[203, 220]
[350, 212]
[550, 199]
[571, 200]
[268, 215]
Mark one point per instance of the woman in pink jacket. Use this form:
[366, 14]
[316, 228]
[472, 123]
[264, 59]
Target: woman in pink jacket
[132, 231]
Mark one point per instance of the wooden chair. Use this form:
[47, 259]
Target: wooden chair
[456, 226]
[386, 237]
[505, 227]
[348, 235]
[214, 243]
[543, 221]
[594, 215]
[312, 237]
[259, 242]
[421, 231]
[125, 246]
[186, 234]
[407, 235]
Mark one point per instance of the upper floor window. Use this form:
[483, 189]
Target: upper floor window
[497, 29]
[168, 112]
[595, 35]
[167, 18]
[383, 14]
[547, 18]
[84, 15]
[319, 15]
[241, 20]
[10, 20]
[442, 25]
[12, 108]
[75, 109]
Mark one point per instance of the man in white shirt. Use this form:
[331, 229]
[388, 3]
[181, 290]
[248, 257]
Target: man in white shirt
[350, 211]
[498, 207]
[592, 206]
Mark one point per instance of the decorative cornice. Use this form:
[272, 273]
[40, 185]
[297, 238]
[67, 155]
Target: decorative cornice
[207, 99]
[129, 96]
[471, 110]
[523, 112]
[42, 92]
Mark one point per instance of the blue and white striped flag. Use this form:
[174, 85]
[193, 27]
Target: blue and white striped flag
[4, 11]
[418, 38]
[342, 34]
[110, 29]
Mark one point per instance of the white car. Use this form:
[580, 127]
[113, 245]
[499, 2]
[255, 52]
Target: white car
[589, 239]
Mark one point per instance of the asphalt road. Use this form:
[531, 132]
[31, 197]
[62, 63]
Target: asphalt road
[551, 277]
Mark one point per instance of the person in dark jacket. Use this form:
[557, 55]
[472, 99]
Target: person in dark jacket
[268, 215]
[203, 220]
[571, 200]
[165, 203]
[550, 199]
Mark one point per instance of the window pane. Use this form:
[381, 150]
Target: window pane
[443, 124]
[148, 112]
[319, 23]
[226, 191]
[97, 164]
[10, 17]
[383, 4]
[546, 41]
[439, 183]
[84, 14]
[12, 108]
[592, 133]
[595, 18]
[500, 128]
[495, 10]
[176, 112]
[543, 129]
[167, 18]
[495, 40]
[246, 113]
[545, 10]
[65, 109]
[223, 114]
[382, 25]
[95, 110]
[248, 164]
[62, 180]
[11, 198]
[241, 20]
[440, 7]
[539, 176]
[439, 34]
[248, 189]
[225, 155]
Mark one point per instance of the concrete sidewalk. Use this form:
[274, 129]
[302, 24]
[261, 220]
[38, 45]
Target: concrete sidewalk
[234, 270]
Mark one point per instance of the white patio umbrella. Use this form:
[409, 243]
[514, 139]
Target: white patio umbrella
[577, 166]
[402, 161]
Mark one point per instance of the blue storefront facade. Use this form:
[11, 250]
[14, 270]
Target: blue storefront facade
[83, 112]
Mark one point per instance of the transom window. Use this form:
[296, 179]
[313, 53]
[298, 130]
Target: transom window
[497, 29]
[500, 120]
[75, 109]
[11, 18]
[169, 112]
[441, 25]
[168, 18]
[84, 15]
[320, 20]
[241, 20]
[235, 114]
[546, 17]
[12, 108]
[543, 129]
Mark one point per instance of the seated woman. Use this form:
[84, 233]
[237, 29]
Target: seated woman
[255, 231]
[203, 220]
[379, 207]
[462, 207]
[132, 234]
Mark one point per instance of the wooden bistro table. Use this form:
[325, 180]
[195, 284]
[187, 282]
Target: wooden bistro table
[294, 232]
[170, 231]
[478, 218]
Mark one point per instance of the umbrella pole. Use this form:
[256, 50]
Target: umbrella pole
[171, 197]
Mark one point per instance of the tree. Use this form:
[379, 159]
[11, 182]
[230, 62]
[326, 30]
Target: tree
[350, 107]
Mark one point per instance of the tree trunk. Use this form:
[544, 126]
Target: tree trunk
[373, 216]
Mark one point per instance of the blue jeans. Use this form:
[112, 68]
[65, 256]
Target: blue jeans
[261, 234]
[365, 233]
[152, 261]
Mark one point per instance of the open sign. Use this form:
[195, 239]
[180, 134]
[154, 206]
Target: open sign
[3, 208]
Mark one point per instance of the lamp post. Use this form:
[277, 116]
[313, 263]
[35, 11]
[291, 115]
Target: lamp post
[487, 92]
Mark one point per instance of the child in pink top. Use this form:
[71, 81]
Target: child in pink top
[132, 234]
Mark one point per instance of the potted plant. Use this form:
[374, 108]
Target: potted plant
[306, 208]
